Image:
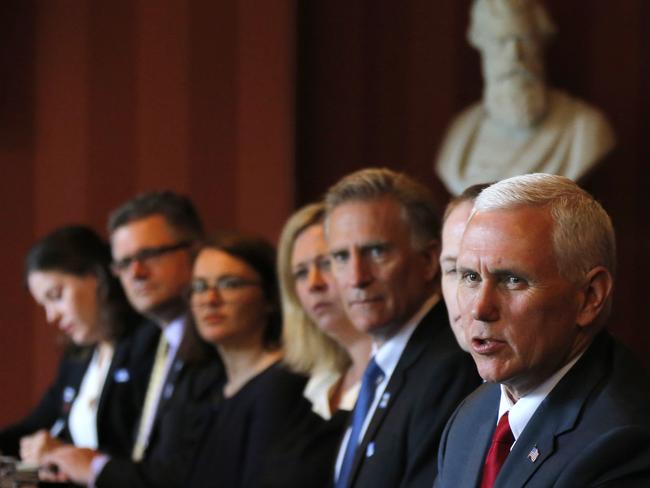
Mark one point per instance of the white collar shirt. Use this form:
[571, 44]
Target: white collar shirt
[174, 334]
[319, 388]
[520, 413]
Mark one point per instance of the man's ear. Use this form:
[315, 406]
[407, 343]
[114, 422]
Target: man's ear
[431, 253]
[595, 292]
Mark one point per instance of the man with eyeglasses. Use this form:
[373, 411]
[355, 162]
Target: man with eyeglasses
[151, 239]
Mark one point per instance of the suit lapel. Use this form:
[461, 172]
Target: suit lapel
[77, 367]
[176, 369]
[366, 447]
[557, 414]
[117, 363]
[412, 351]
[534, 446]
[477, 451]
[175, 372]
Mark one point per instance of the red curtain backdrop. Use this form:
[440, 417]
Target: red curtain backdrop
[102, 100]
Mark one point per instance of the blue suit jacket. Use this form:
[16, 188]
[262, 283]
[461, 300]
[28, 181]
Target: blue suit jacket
[593, 429]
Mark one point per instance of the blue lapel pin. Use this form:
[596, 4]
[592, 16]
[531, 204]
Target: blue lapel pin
[121, 375]
[383, 403]
[168, 391]
[68, 394]
[370, 450]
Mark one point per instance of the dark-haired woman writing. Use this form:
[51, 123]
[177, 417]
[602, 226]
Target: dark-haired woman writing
[96, 397]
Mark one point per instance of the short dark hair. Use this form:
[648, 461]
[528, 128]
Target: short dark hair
[74, 249]
[260, 255]
[79, 251]
[469, 195]
[178, 210]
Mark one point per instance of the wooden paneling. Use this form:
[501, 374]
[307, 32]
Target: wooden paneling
[213, 75]
[265, 139]
[112, 105]
[101, 100]
[16, 199]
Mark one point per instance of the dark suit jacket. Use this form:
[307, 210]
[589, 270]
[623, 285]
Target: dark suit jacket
[119, 405]
[304, 455]
[432, 376]
[593, 429]
[183, 413]
[241, 432]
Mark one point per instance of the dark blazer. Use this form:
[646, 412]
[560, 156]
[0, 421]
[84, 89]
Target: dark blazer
[188, 396]
[593, 429]
[238, 439]
[431, 378]
[304, 455]
[119, 404]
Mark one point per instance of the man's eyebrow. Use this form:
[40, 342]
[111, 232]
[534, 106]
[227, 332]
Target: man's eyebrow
[509, 272]
[374, 243]
[497, 272]
[464, 268]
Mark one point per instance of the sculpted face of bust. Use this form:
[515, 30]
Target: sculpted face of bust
[510, 35]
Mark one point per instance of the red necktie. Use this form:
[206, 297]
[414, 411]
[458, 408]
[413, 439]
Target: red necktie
[499, 450]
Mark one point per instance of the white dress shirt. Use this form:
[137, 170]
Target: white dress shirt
[82, 421]
[319, 388]
[521, 412]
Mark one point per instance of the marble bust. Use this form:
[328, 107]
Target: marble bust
[521, 125]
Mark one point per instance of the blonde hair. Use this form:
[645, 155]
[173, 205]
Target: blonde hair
[306, 348]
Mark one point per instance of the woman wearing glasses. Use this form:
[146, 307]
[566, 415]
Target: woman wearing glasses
[96, 398]
[321, 343]
[234, 303]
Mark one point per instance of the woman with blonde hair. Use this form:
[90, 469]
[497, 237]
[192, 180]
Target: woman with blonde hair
[321, 343]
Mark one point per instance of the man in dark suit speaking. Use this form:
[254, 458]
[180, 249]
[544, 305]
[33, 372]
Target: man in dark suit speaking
[382, 231]
[564, 405]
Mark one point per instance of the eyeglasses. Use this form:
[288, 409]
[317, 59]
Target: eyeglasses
[147, 254]
[224, 284]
